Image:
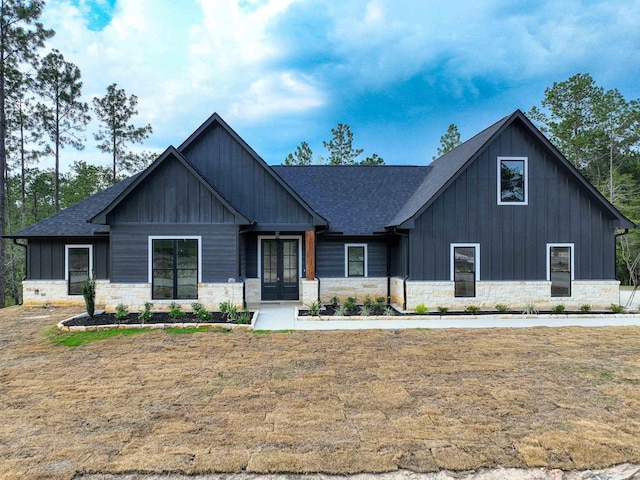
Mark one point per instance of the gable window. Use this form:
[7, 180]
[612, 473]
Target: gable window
[78, 261]
[560, 268]
[465, 268]
[355, 260]
[175, 267]
[512, 181]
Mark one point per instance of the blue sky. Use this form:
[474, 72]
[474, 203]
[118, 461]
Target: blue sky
[397, 71]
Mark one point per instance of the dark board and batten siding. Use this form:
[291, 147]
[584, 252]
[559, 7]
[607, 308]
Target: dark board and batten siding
[171, 194]
[330, 257]
[243, 181]
[130, 255]
[46, 257]
[513, 238]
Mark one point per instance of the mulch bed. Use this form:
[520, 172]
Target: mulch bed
[330, 311]
[158, 317]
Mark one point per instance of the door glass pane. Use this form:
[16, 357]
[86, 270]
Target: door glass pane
[290, 261]
[560, 274]
[78, 269]
[270, 261]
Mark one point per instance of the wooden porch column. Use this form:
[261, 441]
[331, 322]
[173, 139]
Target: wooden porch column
[310, 257]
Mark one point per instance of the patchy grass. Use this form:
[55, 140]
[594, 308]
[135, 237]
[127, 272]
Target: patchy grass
[338, 402]
[75, 339]
[195, 330]
[268, 332]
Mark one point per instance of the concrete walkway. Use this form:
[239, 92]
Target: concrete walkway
[280, 316]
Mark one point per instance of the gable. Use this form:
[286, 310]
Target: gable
[244, 179]
[171, 194]
[513, 238]
[450, 166]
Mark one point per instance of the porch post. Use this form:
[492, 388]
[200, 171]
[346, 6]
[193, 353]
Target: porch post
[310, 257]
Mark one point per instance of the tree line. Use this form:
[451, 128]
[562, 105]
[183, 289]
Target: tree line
[42, 112]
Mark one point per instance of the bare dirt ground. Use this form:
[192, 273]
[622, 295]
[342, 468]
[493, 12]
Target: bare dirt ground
[334, 402]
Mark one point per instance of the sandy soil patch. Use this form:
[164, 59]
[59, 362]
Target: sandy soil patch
[302, 402]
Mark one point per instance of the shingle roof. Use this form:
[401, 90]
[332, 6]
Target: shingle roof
[355, 199]
[443, 170]
[74, 220]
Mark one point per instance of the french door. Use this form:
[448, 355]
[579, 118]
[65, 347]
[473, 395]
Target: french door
[280, 274]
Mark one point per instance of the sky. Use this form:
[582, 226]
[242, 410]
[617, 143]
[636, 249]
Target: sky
[398, 72]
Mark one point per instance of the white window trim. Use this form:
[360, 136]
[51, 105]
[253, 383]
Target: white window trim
[174, 237]
[280, 237]
[526, 181]
[66, 258]
[549, 247]
[346, 259]
[476, 247]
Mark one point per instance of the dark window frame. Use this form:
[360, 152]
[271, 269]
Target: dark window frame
[175, 269]
[554, 275]
[456, 276]
[524, 180]
[348, 263]
[88, 272]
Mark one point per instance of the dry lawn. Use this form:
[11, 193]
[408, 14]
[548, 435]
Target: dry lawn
[335, 402]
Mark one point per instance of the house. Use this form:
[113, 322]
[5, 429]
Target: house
[502, 218]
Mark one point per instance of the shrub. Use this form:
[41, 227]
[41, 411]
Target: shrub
[350, 304]
[389, 312]
[501, 307]
[200, 311]
[443, 309]
[530, 309]
[89, 294]
[558, 308]
[314, 308]
[472, 309]
[224, 306]
[121, 312]
[146, 315]
[365, 311]
[616, 308]
[244, 317]
[379, 306]
[422, 309]
[175, 310]
[368, 302]
[586, 308]
[341, 311]
[334, 302]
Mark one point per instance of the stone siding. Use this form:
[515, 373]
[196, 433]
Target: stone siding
[252, 291]
[54, 292]
[352, 287]
[596, 293]
[308, 291]
[397, 291]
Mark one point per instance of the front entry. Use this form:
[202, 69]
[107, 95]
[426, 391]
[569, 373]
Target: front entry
[280, 275]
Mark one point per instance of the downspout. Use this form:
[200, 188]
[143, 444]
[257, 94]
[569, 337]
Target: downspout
[241, 232]
[406, 276]
[315, 254]
[26, 261]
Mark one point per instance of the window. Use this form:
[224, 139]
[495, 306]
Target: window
[560, 268]
[465, 268]
[78, 261]
[512, 181]
[175, 267]
[355, 261]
